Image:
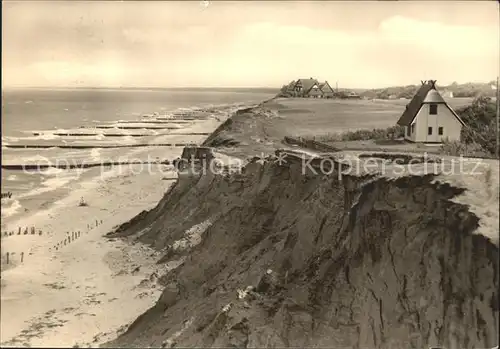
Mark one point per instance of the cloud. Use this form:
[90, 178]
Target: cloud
[171, 44]
[402, 50]
[440, 38]
[193, 35]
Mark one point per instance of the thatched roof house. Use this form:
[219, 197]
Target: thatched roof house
[428, 118]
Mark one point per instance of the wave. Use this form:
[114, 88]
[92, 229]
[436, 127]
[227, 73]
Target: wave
[7, 139]
[35, 158]
[59, 178]
[52, 171]
[45, 136]
[95, 154]
[128, 139]
[9, 210]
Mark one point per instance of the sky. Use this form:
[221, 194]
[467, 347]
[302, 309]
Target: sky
[247, 44]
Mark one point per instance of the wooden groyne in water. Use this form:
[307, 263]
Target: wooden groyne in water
[91, 146]
[76, 134]
[185, 118]
[69, 166]
[132, 127]
[162, 121]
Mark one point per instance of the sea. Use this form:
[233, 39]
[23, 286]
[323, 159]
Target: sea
[37, 116]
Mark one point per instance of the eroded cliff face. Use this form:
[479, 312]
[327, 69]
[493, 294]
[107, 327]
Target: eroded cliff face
[277, 258]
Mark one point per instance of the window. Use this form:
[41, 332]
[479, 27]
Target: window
[429, 131]
[433, 109]
[413, 128]
[440, 131]
[408, 130]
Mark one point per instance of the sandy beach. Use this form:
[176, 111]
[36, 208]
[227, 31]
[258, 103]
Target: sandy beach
[73, 285]
[86, 290]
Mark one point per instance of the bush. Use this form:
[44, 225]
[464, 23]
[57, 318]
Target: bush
[456, 148]
[377, 134]
[480, 121]
[392, 132]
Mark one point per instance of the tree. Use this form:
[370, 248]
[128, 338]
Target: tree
[480, 123]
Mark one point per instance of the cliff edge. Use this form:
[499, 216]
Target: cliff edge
[275, 255]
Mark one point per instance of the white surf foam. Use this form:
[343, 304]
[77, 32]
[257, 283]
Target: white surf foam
[45, 136]
[6, 139]
[52, 171]
[53, 183]
[36, 158]
[11, 209]
[95, 154]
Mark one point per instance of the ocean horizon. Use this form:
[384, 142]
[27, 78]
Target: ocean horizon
[40, 116]
[146, 88]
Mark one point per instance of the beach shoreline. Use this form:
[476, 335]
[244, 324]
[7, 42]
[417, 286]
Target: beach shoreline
[74, 286]
[79, 269]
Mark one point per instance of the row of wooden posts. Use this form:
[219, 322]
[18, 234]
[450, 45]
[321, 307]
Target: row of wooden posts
[68, 239]
[7, 195]
[26, 231]
[74, 235]
[11, 254]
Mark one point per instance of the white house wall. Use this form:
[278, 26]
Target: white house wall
[410, 137]
[444, 118]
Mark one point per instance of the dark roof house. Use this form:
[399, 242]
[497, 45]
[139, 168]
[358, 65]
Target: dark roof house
[304, 85]
[326, 88]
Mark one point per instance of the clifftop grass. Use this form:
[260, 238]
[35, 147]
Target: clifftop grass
[478, 137]
[377, 134]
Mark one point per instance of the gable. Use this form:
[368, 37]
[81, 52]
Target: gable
[455, 114]
[413, 107]
[452, 114]
[325, 87]
[306, 84]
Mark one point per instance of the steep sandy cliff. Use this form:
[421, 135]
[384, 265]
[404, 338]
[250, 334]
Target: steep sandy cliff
[274, 257]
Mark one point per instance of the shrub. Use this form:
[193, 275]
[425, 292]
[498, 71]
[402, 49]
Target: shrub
[480, 126]
[393, 132]
[456, 148]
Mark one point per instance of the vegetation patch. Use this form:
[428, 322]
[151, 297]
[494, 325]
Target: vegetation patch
[401, 159]
[478, 137]
[377, 134]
